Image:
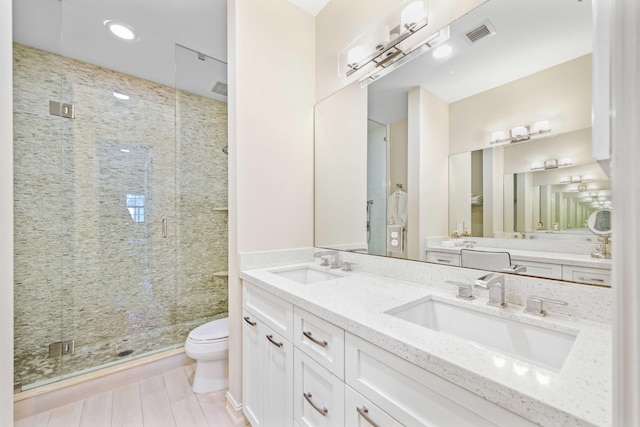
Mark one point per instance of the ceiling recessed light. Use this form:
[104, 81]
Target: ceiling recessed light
[121, 96]
[442, 51]
[123, 31]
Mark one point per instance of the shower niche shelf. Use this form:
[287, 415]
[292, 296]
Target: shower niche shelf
[223, 208]
[221, 274]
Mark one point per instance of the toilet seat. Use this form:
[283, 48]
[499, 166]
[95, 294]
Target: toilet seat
[211, 332]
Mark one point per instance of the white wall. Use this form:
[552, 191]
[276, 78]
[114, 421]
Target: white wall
[6, 213]
[427, 170]
[341, 168]
[459, 190]
[271, 80]
[561, 94]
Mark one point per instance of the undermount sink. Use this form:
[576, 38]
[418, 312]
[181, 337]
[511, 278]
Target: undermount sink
[306, 274]
[537, 345]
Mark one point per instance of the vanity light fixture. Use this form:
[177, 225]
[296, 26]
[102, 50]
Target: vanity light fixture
[387, 44]
[121, 30]
[521, 133]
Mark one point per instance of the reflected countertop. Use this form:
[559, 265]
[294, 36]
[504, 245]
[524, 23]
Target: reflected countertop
[578, 260]
[580, 394]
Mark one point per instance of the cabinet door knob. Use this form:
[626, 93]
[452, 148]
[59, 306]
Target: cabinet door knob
[322, 411]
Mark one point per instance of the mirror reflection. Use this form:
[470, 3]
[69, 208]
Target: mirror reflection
[487, 148]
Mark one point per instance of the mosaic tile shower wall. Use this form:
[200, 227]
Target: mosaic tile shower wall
[92, 261]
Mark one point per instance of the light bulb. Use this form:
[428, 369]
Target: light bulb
[355, 55]
[411, 15]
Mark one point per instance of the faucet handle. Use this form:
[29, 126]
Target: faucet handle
[465, 290]
[347, 265]
[535, 305]
[324, 261]
[515, 268]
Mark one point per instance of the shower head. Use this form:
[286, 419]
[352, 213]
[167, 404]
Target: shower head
[225, 149]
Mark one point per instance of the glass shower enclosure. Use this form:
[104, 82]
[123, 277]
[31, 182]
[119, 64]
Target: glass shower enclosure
[120, 202]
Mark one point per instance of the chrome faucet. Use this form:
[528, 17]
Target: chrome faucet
[495, 284]
[336, 261]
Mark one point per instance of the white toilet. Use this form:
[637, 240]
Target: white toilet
[208, 344]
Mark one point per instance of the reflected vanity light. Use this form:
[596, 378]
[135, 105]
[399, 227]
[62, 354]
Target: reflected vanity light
[577, 179]
[520, 369]
[551, 164]
[121, 96]
[521, 133]
[383, 46]
[543, 379]
[499, 362]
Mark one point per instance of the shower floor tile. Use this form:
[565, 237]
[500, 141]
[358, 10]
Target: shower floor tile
[159, 401]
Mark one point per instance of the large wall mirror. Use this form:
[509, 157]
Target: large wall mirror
[489, 142]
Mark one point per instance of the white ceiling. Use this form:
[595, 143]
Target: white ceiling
[312, 7]
[531, 35]
[74, 28]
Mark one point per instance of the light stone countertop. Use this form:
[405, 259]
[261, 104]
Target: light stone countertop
[578, 260]
[579, 395]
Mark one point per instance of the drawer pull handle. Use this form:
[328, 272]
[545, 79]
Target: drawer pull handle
[448, 261]
[364, 413]
[323, 411]
[277, 344]
[248, 320]
[320, 343]
[593, 279]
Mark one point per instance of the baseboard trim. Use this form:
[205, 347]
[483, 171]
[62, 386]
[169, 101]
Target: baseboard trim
[234, 412]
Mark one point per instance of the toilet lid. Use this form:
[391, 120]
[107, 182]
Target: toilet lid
[211, 331]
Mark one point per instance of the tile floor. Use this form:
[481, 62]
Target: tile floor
[159, 401]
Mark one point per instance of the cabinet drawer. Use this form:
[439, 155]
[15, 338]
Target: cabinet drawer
[443, 258]
[359, 411]
[321, 340]
[274, 312]
[596, 276]
[540, 269]
[318, 395]
[415, 397]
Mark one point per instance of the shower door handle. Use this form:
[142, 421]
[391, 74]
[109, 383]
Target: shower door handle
[164, 228]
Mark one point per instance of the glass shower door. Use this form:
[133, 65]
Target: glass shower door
[119, 189]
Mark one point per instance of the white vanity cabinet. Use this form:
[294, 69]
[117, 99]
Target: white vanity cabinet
[303, 371]
[267, 359]
[414, 396]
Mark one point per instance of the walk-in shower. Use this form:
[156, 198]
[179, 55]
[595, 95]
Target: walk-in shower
[120, 208]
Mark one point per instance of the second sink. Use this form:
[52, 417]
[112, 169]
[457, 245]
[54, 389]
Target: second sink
[540, 346]
[306, 274]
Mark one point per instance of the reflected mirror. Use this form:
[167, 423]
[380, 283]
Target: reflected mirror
[487, 147]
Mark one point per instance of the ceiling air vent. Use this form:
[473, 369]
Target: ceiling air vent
[481, 31]
[220, 88]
